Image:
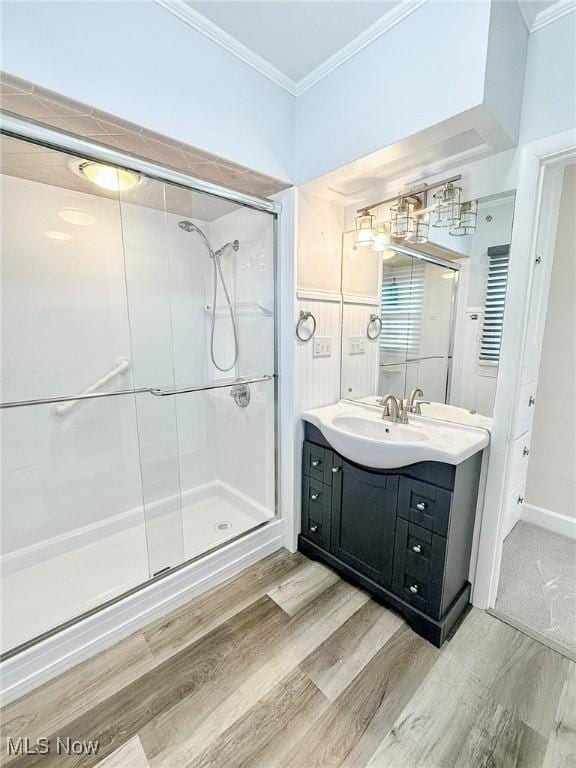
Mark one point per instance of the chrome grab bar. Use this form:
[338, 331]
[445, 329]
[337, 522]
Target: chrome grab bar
[150, 390]
[122, 366]
[215, 385]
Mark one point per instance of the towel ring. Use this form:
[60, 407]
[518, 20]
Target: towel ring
[374, 320]
[301, 320]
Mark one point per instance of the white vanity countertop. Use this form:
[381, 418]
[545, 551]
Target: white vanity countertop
[443, 411]
[359, 433]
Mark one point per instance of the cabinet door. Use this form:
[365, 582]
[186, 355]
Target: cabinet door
[364, 520]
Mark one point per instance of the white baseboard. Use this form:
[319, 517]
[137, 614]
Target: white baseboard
[63, 650]
[551, 521]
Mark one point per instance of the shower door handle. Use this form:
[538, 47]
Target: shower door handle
[222, 384]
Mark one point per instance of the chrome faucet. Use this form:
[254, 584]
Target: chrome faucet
[390, 410]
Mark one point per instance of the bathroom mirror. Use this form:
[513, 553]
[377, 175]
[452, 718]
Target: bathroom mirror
[429, 316]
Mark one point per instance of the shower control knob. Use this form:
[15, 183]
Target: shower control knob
[335, 469]
[313, 528]
[421, 506]
[316, 463]
[414, 589]
[417, 548]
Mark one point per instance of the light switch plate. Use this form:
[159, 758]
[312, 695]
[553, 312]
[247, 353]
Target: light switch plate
[356, 345]
[322, 346]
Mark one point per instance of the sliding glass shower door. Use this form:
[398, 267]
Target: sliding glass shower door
[131, 440]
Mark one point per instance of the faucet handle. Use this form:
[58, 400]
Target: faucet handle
[416, 406]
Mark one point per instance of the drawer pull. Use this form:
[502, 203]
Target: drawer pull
[313, 528]
[314, 496]
[413, 588]
[421, 506]
[315, 462]
[335, 469]
[417, 548]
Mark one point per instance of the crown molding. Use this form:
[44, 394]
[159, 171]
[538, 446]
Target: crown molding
[201, 24]
[373, 32]
[556, 11]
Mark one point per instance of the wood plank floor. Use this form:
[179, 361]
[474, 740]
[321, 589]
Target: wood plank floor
[289, 666]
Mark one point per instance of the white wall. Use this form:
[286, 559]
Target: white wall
[552, 464]
[549, 102]
[139, 62]
[428, 69]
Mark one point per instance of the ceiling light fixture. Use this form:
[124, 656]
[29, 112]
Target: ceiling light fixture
[107, 177]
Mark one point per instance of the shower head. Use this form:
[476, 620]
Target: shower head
[188, 226]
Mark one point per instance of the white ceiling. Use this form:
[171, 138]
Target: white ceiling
[297, 42]
[294, 36]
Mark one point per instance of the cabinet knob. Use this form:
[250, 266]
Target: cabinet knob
[417, 548]
[313, 528]
[335, 469]
[520, 500]
[413, 588]
[526, 451]
[421, 506]
[315, 462]
[314, 496]
[531, 400]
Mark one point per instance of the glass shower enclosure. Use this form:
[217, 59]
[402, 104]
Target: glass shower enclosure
[138, 418]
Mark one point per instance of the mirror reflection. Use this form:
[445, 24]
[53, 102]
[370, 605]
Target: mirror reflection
[424, 321]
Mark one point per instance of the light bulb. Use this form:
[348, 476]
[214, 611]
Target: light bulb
[110, 178]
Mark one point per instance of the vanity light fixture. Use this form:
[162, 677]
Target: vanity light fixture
[402, 219]
[447, 207]
[105, 176]
[365, 229]
[420, 229]
[382, 237]
[466, 224]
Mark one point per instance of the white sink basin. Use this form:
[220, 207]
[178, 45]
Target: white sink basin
[380, 429]
[359, 433]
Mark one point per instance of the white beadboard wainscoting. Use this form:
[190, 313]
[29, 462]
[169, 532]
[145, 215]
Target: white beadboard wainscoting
[359, 369]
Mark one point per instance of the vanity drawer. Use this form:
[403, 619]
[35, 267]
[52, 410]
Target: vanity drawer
[418, 573]
[424, 504]
[317, 462]
[316, 511]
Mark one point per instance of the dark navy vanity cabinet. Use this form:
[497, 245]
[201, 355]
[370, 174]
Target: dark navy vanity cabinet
[403, 534]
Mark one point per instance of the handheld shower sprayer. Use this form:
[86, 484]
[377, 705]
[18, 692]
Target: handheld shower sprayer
[216, 256]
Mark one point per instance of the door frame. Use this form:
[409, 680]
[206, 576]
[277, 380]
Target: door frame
[533, 235]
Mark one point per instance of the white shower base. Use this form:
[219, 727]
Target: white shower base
[50, 583]
[218, 514]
